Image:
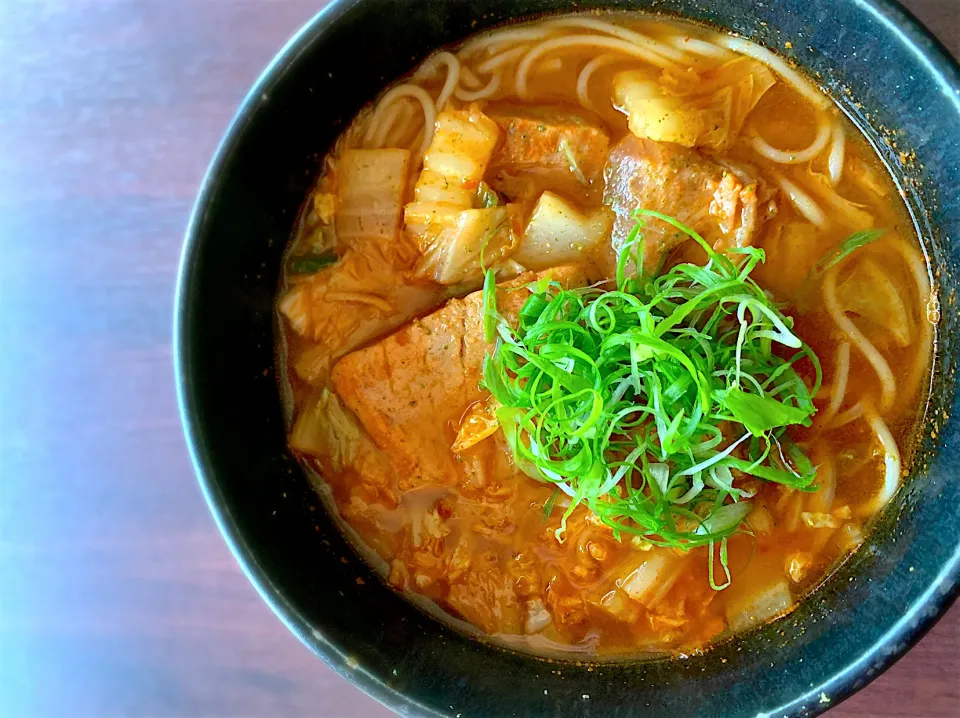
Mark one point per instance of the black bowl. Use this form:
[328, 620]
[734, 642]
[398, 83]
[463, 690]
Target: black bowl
[906, 92]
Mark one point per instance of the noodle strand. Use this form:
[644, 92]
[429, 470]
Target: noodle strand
[405, 90]
[839, 388]
[598, 41]
[891, 461]
[835, 162]
[888, 384]
[786, 157]
[802, 201]
[584, 78]
[779, 65]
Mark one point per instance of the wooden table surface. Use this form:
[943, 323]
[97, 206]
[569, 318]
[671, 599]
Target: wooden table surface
[117, 595]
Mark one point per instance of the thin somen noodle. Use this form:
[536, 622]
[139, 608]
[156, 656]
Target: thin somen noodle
[791, 157]
[505, 57]
[635, 38]
[494, 41]
[486, 91]
[804, 203]
[821, 501]
[839, 389]
[847, 416]
[593, 41]
[921, 361]
[888, 384]
[891, 462]
[799, 83]
[452, 64]
[835, 162]
[556, 320]
[394, 123]
[408, 90]
[583, 79]
[699, 47]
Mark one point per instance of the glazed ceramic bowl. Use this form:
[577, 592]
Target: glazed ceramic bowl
[896, 83]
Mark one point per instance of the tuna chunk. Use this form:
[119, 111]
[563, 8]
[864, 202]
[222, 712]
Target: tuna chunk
[556, 149]
[677, 181]
[410, 389]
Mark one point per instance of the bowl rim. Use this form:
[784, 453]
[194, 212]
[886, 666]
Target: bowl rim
[874, 660]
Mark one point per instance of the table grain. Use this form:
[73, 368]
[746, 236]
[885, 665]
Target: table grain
[117, 595]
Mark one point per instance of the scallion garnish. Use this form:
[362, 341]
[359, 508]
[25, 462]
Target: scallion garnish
[648, 403]
[310, 263]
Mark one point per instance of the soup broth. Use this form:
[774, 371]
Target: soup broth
[508, 170]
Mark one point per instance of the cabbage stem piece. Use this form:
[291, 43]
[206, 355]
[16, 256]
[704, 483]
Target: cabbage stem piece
[455, 239]
[370, 193]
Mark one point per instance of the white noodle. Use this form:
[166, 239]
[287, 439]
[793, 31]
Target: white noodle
[779, 65]
[406, 90]
[839, 388]
[787, 157]
[402, 127]
[453, 75]
[584, 79]
[469, 79]
[835, 162]
[493, 40]
[636, 38]
[792, 517]
[802, 201]
[502, 59]
[888, 384]
[851, 213]
[821, 501]
[891, 460]
[844, 418]
[921, 361]
[481, 94]
[699, 47]
[388, 123]
[598, 41]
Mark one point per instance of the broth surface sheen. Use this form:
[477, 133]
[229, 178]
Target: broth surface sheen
[526, 151]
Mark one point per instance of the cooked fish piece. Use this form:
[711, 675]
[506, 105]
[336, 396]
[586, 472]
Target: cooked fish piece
[723, 208]
[410, 389]
[547, 148]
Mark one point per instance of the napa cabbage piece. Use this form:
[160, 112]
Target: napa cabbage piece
[371, 188]
[453, 168]
[655, 115]
[649, 576]
[468, 241]
[558, 233]
[325, 430]
[710, 113]
[869, 292]
[453, 236]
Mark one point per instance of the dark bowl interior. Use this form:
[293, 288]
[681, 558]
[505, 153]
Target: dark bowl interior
[873, 608]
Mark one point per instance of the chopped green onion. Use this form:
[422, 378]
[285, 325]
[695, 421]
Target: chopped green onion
[550, 503]
[845, 248]
[572, 161]
[647, 403]
[486, 197]
[490, 315]
[310, 263]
